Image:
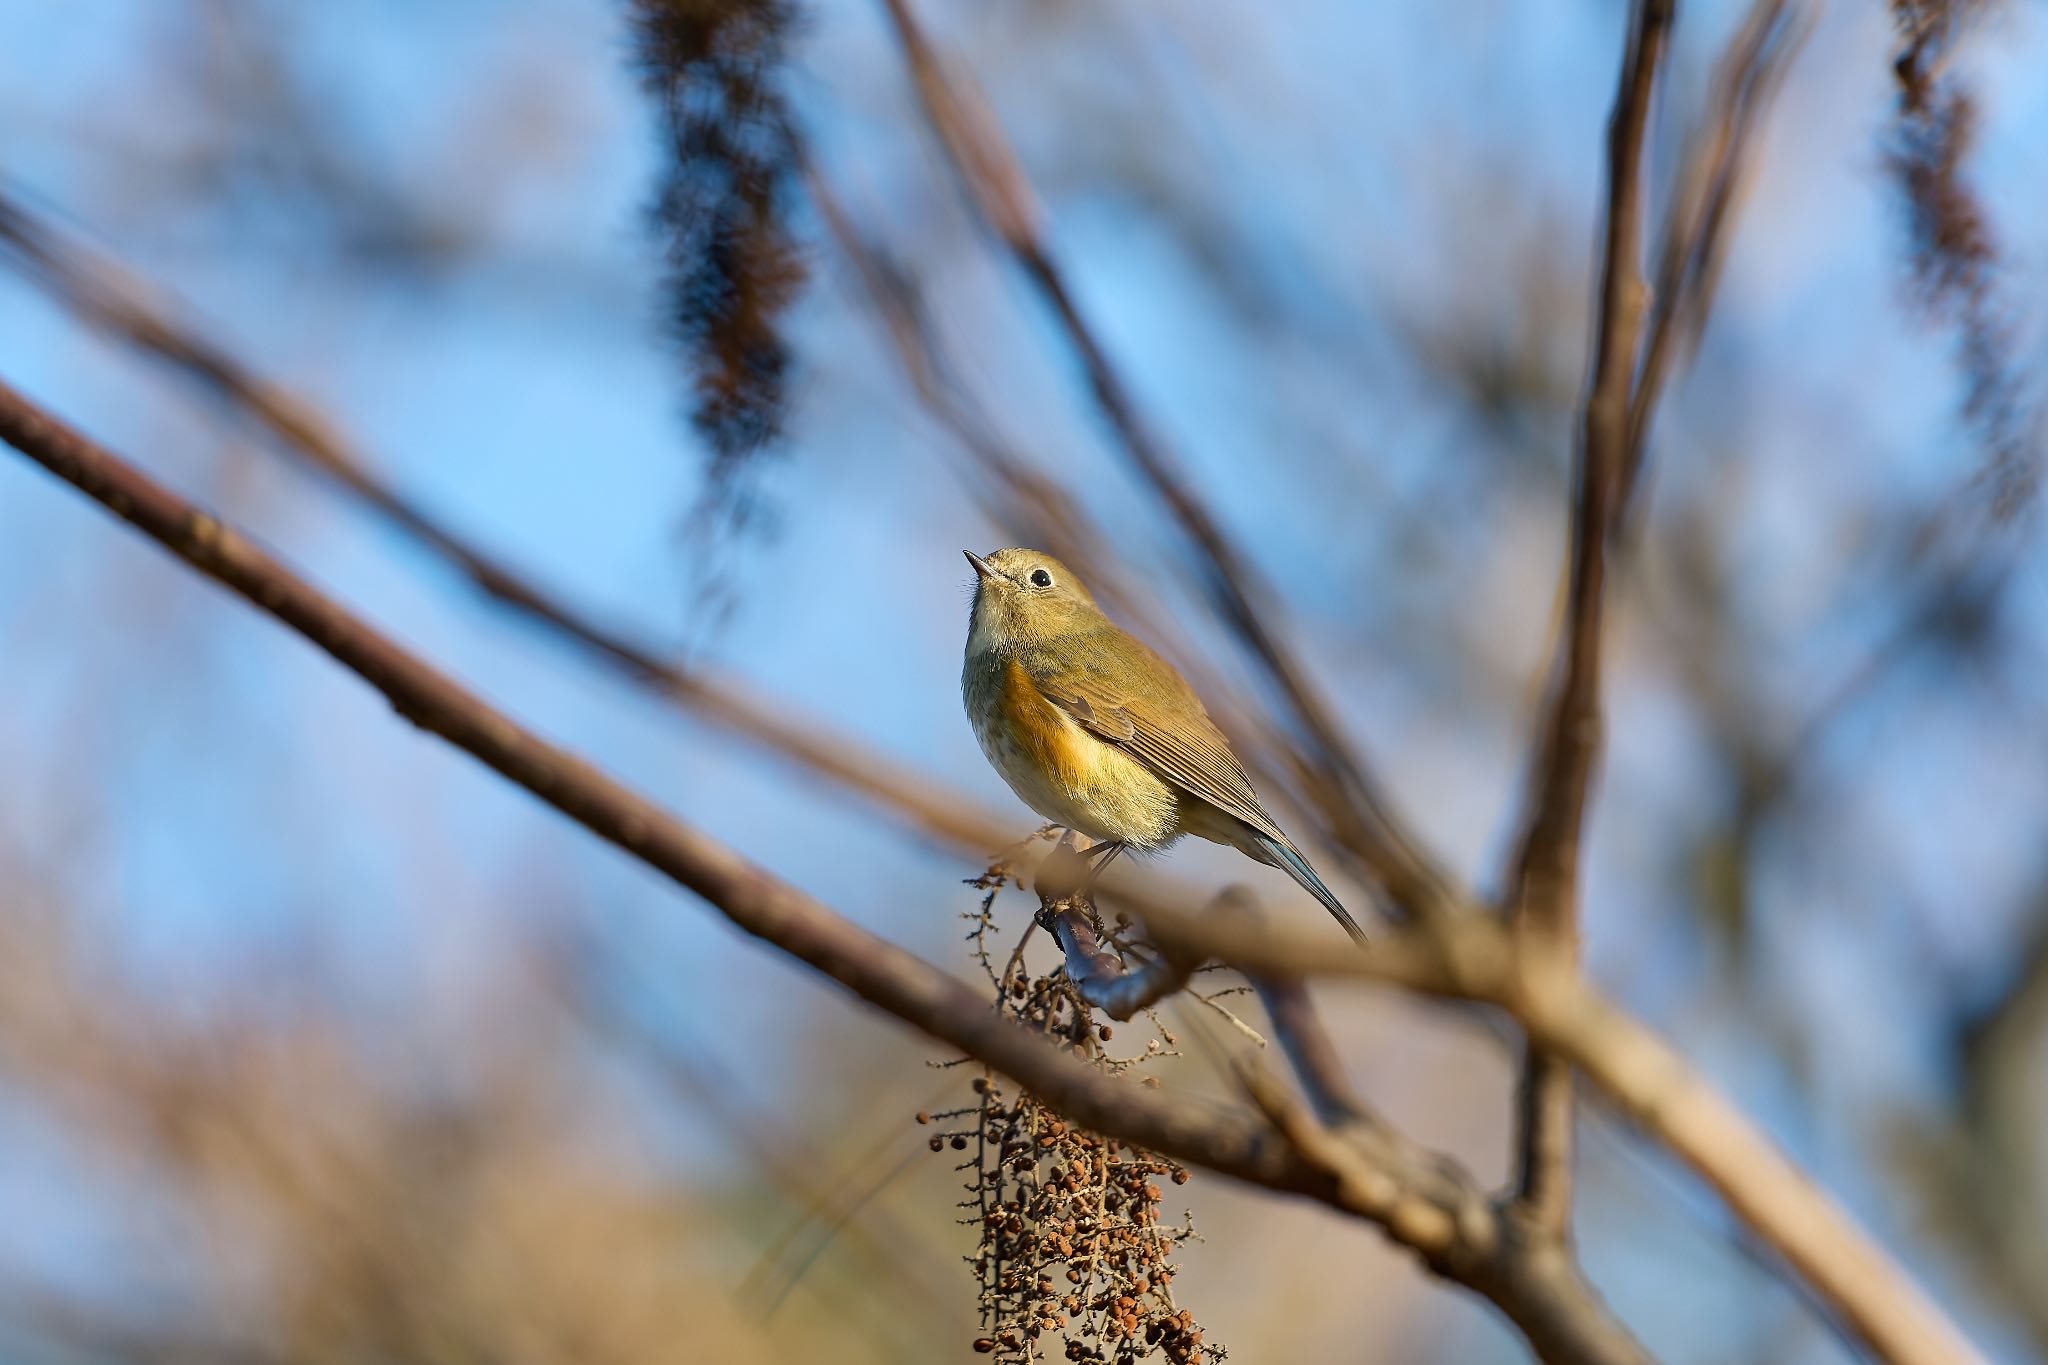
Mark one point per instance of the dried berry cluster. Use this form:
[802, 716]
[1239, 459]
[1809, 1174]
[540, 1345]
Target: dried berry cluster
[1073, 1256]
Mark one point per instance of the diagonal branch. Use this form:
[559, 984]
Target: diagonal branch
[753, 899]
[1545, 887]
[1361, 818]
[122, 308]
[1562, 1318]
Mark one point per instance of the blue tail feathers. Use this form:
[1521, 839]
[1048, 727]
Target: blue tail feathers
[1288, 859]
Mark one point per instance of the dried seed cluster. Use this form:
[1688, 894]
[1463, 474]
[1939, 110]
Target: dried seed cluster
[1073, 1255]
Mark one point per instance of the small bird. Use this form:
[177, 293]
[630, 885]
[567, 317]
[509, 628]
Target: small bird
[1099, 734]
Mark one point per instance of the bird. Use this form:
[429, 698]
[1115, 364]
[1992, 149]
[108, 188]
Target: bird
[1097, 733]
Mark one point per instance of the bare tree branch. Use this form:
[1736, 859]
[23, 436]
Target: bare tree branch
[1544, 889]
[753, 899]
[1453, 1242]
[121, 307]
[1310, 1051]
[1620, 404]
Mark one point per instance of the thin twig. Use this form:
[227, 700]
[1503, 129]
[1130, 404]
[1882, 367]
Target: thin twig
[1310, 1051]
[1230, 1017]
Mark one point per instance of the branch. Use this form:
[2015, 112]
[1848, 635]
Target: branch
[1228, 1141]
[1359, 815]
[1310, 1052]
[122, 308]
[1477, 959]
[1545, 881]
[1544, 894]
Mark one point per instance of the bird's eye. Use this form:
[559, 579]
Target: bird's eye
[1040, 579]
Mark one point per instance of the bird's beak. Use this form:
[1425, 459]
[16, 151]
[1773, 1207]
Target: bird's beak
[982, 567]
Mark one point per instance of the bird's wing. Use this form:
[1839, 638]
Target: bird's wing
[1159, 722]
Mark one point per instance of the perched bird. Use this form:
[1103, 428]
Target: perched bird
[1099, 734]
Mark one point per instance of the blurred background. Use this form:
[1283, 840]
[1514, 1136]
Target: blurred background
[319, 1043]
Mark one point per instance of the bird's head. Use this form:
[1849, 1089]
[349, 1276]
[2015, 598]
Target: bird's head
[1024, 597]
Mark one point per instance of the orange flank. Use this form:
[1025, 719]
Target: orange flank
[1061, 750]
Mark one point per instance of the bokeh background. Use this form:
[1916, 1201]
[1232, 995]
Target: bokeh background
[318, 1043]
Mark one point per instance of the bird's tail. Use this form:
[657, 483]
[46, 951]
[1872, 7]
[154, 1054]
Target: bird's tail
[1285, 856]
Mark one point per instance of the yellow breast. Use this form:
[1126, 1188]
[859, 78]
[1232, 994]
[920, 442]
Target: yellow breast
[1067, 755]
